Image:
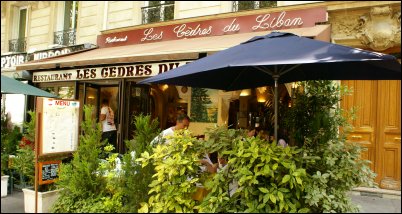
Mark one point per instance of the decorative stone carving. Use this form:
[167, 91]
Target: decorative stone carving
[342, 27]
[380, 29]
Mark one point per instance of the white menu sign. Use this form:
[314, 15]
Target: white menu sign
[60, 125]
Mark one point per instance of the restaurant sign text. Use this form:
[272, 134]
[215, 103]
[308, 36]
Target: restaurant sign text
[107, 72]
[263, 21]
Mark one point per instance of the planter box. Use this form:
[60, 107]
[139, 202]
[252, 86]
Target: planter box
[45, 200]
[4, 185]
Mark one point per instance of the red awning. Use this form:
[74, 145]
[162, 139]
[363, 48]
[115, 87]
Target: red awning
[159, 51]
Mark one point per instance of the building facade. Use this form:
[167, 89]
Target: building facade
[90, 50]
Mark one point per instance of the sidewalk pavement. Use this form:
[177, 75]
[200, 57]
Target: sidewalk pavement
[13, 203]
[369, 200]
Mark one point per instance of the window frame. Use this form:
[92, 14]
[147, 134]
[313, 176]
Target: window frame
[161, 11]
[256, 5]
[15, 33]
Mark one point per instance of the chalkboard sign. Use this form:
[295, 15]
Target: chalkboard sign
[49, 171]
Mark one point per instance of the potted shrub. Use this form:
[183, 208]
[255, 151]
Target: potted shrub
[93, 185]
[89, 185]
[25, 165]
[4, 185]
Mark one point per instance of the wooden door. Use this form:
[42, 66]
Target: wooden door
[389, 134]
[377, 126]
[364, 100]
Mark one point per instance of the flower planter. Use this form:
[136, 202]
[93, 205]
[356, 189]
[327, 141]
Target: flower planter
[4, 185]
[45, 200]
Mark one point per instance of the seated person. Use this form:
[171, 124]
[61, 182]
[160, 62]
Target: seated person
[182, 122]
[210, 162]
[282, 143]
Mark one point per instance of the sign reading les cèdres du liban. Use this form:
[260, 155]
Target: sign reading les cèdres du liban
[216, 27]
[107, 72]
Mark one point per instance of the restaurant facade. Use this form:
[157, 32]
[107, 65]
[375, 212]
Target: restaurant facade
[127, 53]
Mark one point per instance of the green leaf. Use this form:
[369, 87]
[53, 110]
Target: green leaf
[273, 198]
[280, 196]
[304, 210]
[286, 178]
[298, 180]
[145, 154]
[281, 205]
[152, 190]
[283, 190]
[144, 208]
[178, 209]
[266, 198]
[247, 155]
[263, 189]
[260, 206]
[286, 165]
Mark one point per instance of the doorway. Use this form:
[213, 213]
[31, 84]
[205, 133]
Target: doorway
[378, 126]
[137, 101]
[93, 93]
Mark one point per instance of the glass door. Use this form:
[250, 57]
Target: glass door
[88, 94]
[138, 102]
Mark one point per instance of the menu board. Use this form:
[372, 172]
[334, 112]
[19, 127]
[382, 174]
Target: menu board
[59, 126]
[48, 171]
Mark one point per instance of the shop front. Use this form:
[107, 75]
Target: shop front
[126, 56]
[116, 83]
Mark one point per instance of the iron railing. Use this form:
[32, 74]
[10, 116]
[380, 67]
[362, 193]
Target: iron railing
[66, 37]
[162, 12]
[251, 5]
[17, 45]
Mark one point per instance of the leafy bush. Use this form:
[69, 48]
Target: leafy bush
[85, 183]
[176, 166]
[135, 179]
[269, 179]
[9, 145]
[92, 185]
[23, 162]
[314, 177]
[333, 165]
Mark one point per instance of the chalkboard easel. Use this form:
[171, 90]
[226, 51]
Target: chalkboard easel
[49, 171]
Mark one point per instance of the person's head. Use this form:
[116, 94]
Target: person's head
[105, 102]
[263, 135]
[282, 143]
[251, 132]
[182, 121]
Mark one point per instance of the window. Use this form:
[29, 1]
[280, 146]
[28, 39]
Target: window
[18, 44]
[67, 24]
[250, 5]
[156, 11]
[63, 90]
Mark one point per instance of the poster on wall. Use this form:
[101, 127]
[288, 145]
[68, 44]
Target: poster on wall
[204, 105]
[58, 125]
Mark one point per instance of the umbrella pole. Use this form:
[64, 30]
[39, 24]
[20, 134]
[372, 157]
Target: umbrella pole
[276, 107]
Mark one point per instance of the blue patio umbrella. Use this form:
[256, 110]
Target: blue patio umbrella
[280, 57]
